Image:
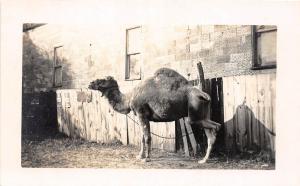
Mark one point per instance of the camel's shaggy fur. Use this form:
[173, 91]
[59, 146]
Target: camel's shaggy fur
[166, 96]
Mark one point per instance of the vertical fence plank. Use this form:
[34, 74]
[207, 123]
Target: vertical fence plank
[273, 100]
[185, 142]
[228, 113]
[273, 110]
[132, 129]
[251, 101]
[72, 111]
[97, 114]
[164, 129]
[65, 127]
[239, 120]
[268, 113]
[191, 136]
[261, 84]
[59, 110]
[99, 117]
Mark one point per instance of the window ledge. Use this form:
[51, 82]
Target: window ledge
[133, 79]
[263, 67]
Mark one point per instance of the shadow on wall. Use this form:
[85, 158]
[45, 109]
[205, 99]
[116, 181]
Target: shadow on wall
[38, 67]
[246, 133]
[39, 116]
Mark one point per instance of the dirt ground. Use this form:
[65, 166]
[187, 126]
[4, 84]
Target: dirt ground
[63, 152]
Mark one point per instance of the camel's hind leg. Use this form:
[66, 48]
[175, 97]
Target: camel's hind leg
[211, 138]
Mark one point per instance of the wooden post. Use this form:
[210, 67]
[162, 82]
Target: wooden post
[202, 85]
[201, 76]
[191, 136]
[184, 138]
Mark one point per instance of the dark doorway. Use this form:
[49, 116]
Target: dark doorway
[39, 114]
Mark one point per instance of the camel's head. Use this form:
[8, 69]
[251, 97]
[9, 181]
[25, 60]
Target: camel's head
[103, 85]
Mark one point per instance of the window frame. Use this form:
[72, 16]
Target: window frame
[127, 56]
[56, 67]
[255, 35]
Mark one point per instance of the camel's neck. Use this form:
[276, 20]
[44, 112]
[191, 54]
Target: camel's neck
[118, 101]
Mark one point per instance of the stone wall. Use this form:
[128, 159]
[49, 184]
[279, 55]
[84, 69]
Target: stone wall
[94, 51]
[37, 67]
[224, 50]
[88, 52]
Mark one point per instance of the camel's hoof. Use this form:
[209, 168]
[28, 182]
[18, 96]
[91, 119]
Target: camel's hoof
[146, 160]
[202, 161]
[140, 157]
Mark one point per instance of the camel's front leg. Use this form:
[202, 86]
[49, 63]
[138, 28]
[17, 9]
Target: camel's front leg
[142, 151]
[145, 140]
[211, 138]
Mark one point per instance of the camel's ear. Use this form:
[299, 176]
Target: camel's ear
[109, 78]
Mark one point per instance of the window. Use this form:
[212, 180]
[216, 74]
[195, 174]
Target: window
[264, 41]
[133, 54]
[57, 77]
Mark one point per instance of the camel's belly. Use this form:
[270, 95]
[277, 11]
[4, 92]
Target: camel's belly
[165, 106]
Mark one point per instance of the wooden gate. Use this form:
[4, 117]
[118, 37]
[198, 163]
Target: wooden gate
[85, 114]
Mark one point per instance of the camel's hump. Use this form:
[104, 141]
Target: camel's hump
[170, 73]
[169, 79]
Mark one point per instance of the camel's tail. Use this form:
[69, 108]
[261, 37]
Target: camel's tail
[204, 96]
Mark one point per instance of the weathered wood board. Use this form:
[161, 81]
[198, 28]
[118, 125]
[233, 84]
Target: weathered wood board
[85, 114]
[249, 111]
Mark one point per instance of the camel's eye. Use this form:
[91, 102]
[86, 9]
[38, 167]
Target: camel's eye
[99, 81]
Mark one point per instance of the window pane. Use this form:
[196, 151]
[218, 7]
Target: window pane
[134, 66]
[58, 52]
[58, 76]
[266, 48]
[134, 40]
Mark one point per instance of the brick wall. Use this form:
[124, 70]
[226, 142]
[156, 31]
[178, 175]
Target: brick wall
[94, 51]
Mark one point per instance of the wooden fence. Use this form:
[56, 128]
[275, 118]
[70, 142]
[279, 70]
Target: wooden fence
[84, 113]
[245, 104]
[249, 112]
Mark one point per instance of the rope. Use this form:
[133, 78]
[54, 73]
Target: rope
[180, 137]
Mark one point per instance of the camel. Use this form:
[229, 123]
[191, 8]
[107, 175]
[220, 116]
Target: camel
[164, 97]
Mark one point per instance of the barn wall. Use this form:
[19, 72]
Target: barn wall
[249, 112]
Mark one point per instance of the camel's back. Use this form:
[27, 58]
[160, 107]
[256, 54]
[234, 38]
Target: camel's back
[169, 79]
[163, 80]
